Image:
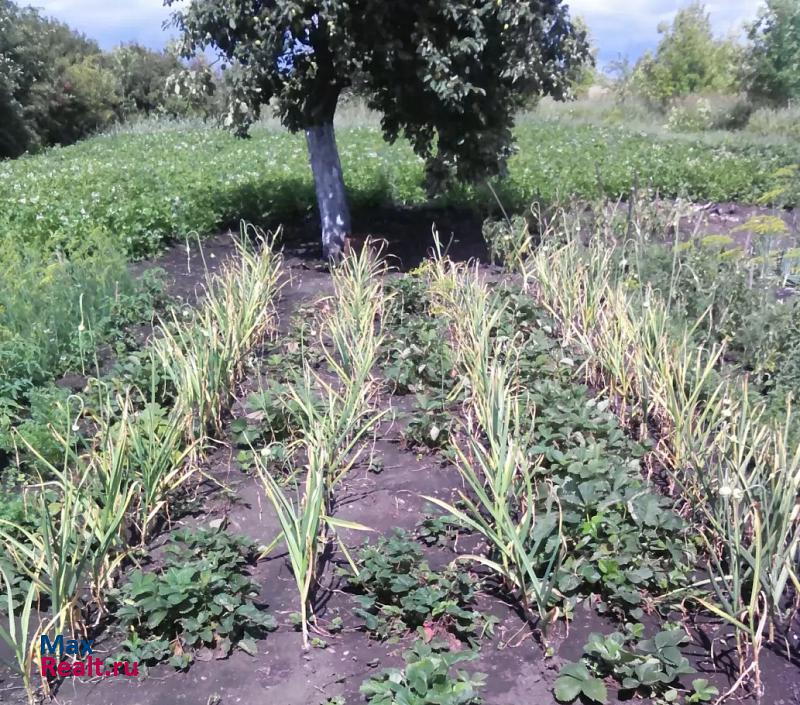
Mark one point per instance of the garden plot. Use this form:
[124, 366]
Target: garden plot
[512, 532]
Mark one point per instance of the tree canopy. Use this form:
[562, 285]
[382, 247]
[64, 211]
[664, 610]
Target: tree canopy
[446, 74]
[57, 86]
[689, 59]
[773, 66]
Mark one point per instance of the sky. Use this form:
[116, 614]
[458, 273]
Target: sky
[619, 27]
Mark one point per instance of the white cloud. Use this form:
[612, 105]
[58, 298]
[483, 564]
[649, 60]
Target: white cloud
[624, 27]
[112, 21]
[627, 27]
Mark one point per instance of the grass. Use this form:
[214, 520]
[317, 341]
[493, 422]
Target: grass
[55, 311]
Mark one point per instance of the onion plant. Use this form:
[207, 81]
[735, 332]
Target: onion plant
[503, 502]
[85, 508]
[751, 530]
[335, 418]
[22, 634]
[204, 356]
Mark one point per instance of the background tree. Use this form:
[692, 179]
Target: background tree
[14, 134]
[689, 59]
[773, 59]
[56, 90]
[141, 76]
[57, 86]
[446, 74]
[585, 75]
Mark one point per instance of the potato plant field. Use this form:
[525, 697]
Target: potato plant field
[139, 189]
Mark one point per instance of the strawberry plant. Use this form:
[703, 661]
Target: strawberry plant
[646, 666]
[198, 605]
[426, 678]
[397, 592]
[430, 424]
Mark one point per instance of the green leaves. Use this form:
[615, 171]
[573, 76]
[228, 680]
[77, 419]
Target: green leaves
[299, 62]
[426, 679]
[201, 601]
[398, 592]
[645, 666]
[574, 679]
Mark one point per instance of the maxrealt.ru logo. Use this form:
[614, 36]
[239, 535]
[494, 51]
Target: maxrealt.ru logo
[58, 665]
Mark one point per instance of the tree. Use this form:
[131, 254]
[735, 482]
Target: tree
[142, 76]
[773, 60]
[446, 74]
[584, 76]
[689, 59]
[52, 87]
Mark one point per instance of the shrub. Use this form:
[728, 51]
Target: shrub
[688, 60]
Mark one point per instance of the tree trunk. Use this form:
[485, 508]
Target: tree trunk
[334, 212]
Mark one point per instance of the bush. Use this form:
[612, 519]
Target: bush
[689, 59]
[709, 112]
[775, 121]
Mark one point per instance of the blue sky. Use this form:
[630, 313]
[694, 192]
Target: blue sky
[619, 27]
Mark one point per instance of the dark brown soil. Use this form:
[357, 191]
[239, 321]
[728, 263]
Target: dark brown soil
[518, 673]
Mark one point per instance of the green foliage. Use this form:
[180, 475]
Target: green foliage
[137, 190]
[55, 311]
[727, 287]
[418, 356]
[57, 87]
[622, 539]
[435, 530]
[141, 77]
[201, 601]
[702, 691]
[574, 679]
[277, 413]
[430, 424]
[469, 64]
[42, 90]
[45, 427]
[688, 59]
[643, 666]
[274, 418]
[426, 678]
[398, 592]
[774, 54]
